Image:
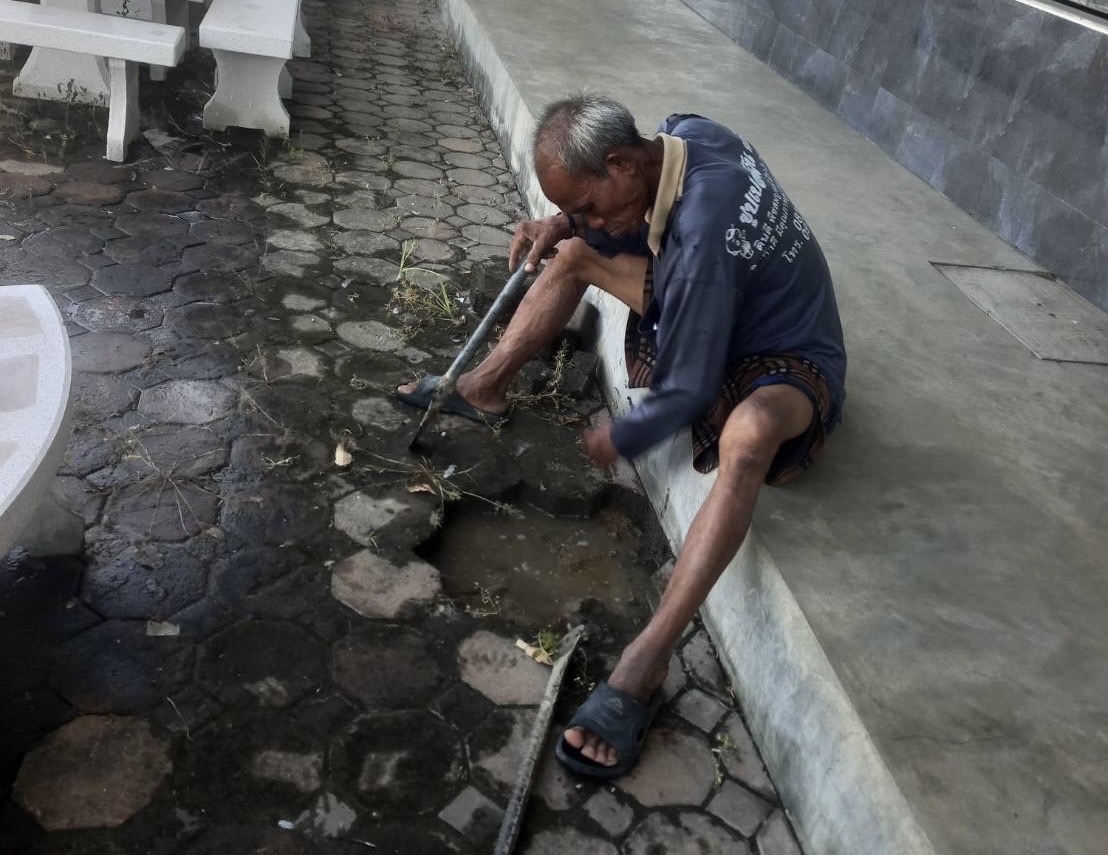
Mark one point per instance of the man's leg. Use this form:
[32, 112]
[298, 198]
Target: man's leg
[750, 439]
[544, 312]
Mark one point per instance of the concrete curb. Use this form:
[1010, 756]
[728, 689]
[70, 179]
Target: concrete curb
[828, 771]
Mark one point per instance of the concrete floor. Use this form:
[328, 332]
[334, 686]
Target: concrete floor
[918, 626]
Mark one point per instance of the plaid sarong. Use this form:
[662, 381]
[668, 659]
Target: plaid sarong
[742, 378]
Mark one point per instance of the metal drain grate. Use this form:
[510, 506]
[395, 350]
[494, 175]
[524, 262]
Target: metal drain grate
[1047, 317]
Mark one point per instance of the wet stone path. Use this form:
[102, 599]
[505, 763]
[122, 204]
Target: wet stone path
[277, 638]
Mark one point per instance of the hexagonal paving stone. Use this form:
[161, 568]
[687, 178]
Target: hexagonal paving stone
[89, 193]
[387, 668]
[675, 769]
[685, 834]
[117, 314]
[162, 508]
[374, 587]
[566, 840]
[401, 762]
[703, 665]
[204, 320]
[295, 240]
[474, 816]
[739, 808]
[270, 663]
[261, 582]
[740, 758]
[24, 186]
[273, 514]
[161, 201]
[151, 225]
[148, 583]
[404, 516]
[472, 177]
[95, 772]
[363, 242]
[171, 179]
[299, 215]
[193, 402]
[117, 667]
[380, 413]
[219, 256]
[287, 262]
[102, 394]
[378, 270]
[495, 667]
[371, 335]
[279, 456]
[143, 250]
[108, 353]
[221, 231]
[131, 280]
[366, 219]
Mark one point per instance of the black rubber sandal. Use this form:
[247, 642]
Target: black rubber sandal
[456, 405]
[619, 720]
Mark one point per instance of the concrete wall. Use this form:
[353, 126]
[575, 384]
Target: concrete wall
[1000, 105]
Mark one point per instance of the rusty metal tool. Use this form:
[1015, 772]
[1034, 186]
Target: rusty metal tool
[513, 815]
[449, 381]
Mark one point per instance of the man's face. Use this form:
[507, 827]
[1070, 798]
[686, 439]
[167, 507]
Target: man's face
[615, 203]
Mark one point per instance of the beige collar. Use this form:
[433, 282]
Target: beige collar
[671, 185]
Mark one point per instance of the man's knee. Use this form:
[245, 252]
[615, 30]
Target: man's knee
[573, 256]
[749, 441]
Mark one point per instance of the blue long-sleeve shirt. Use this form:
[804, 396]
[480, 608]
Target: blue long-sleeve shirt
[738, 273]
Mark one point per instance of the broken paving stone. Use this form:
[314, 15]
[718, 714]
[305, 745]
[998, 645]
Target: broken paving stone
[297, 361]
[328, 817]
[180, 452]
[287, 262]
[311, 329]
[474, 816]
[569, 840]
[302, 303]
[609, 813]
[271, 663]
[117, 314]
[700, 709]
[276, 515]
[387, 668]
[494, 666]
[739, 808]
[132, 586]
[116, 667]
[685, 834]
[404, 517]
[102, 394]
[378, 270]
[376, 588]
[777, 838]
[303, 772]
[294, 240]
[676, 768]
[280, 456]
[497, 746]
[95, 772]
[700, 659]
[371, 335]
[162, 509]
[740, 757]
[401, 762]
[108, 353]
[360, 242]
[193, 402]
[379, 413]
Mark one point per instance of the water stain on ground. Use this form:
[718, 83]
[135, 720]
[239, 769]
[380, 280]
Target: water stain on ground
[535, 568]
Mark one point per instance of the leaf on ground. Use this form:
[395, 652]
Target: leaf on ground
[536, 653]
[342, 456]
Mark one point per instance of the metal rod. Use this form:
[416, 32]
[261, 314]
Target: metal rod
[513, 815]
[449, 380]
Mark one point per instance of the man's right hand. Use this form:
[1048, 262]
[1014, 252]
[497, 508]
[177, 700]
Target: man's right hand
[538, 239]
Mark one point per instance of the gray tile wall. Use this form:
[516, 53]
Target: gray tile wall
[1002, 107]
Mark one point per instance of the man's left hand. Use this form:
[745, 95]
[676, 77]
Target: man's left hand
[598, 445]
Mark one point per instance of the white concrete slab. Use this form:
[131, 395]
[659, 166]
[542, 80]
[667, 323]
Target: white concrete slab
[917, 627]
[35, 375]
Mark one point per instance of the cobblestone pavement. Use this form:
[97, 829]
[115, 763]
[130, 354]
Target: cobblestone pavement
[257, 652]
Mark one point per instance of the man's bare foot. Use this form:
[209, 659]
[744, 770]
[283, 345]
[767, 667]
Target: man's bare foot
[474, 393]
[639, 676]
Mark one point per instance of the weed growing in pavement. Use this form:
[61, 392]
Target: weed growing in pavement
[163, 480]
[551, 397]
[422, 477]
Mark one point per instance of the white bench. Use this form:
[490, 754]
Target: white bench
[175, 12]
[35, 376]
[121, 41]
[252, 40]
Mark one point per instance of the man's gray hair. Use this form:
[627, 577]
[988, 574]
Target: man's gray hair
[581, 130]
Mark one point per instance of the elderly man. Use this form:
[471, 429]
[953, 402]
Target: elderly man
[733, 326]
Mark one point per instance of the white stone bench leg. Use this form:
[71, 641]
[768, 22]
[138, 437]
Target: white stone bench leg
[247, 94]
[123, 112]
[61, 75]
[301, 41]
